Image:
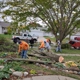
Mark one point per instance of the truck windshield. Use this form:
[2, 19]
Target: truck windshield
[29, 35]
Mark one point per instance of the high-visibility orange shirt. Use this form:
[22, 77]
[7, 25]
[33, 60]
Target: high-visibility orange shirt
[23, 46]
[42, 45]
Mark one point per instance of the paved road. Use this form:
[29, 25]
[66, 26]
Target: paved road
[50, 77]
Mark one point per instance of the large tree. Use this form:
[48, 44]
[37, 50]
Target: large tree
[60, 16]
[2, 5]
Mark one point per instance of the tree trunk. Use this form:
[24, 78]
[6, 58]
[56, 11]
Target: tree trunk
[37, 55]
[28, 60]
[51, 56]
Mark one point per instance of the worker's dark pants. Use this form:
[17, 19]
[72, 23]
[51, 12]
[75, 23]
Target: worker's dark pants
[24, 53]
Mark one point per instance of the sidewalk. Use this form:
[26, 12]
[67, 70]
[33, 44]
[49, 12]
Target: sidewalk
[69, 54]
[49, 77]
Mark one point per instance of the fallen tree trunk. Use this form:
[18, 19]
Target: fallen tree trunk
[28, 60]
[51, 56]
[37, 55]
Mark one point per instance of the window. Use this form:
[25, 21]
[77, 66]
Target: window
[29, 35]
[25, 34]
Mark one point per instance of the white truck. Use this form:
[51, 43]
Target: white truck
[24, 36]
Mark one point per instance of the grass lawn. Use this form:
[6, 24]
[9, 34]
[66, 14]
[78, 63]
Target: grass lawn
[72, 58]
[6, 36]
[68, 51]
[71, 51]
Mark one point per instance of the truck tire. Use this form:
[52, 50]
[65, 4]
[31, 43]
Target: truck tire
[76, 47]
[15, 40]
[35, 40]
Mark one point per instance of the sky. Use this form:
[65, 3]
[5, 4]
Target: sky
[10, 20]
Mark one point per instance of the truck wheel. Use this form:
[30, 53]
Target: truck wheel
[15, 40]
[35, 40]
[74, 47]
[78, 48]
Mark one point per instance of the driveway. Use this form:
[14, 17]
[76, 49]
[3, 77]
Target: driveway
[41, 38]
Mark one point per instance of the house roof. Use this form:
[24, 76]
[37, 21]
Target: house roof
[4, 24]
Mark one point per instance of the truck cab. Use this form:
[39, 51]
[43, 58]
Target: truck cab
[75, 41]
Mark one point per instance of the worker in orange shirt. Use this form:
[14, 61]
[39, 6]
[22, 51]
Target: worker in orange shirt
[23, 48]
[49, 41]
[42, 45]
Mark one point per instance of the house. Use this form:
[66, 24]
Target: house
[3, 26]
[39, 32]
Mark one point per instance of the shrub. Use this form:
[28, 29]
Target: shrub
[65, 45]
[5, 73]
[18, 68]
[7, 45]
[2, 62]
[2, 39]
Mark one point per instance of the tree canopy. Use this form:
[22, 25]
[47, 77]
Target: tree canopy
[60, 16]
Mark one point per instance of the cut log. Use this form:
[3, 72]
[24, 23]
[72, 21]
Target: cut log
[28, 60]
[51, 56]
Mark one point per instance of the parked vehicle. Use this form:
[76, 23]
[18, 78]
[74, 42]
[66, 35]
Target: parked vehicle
[24, 36]
[75, 41]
